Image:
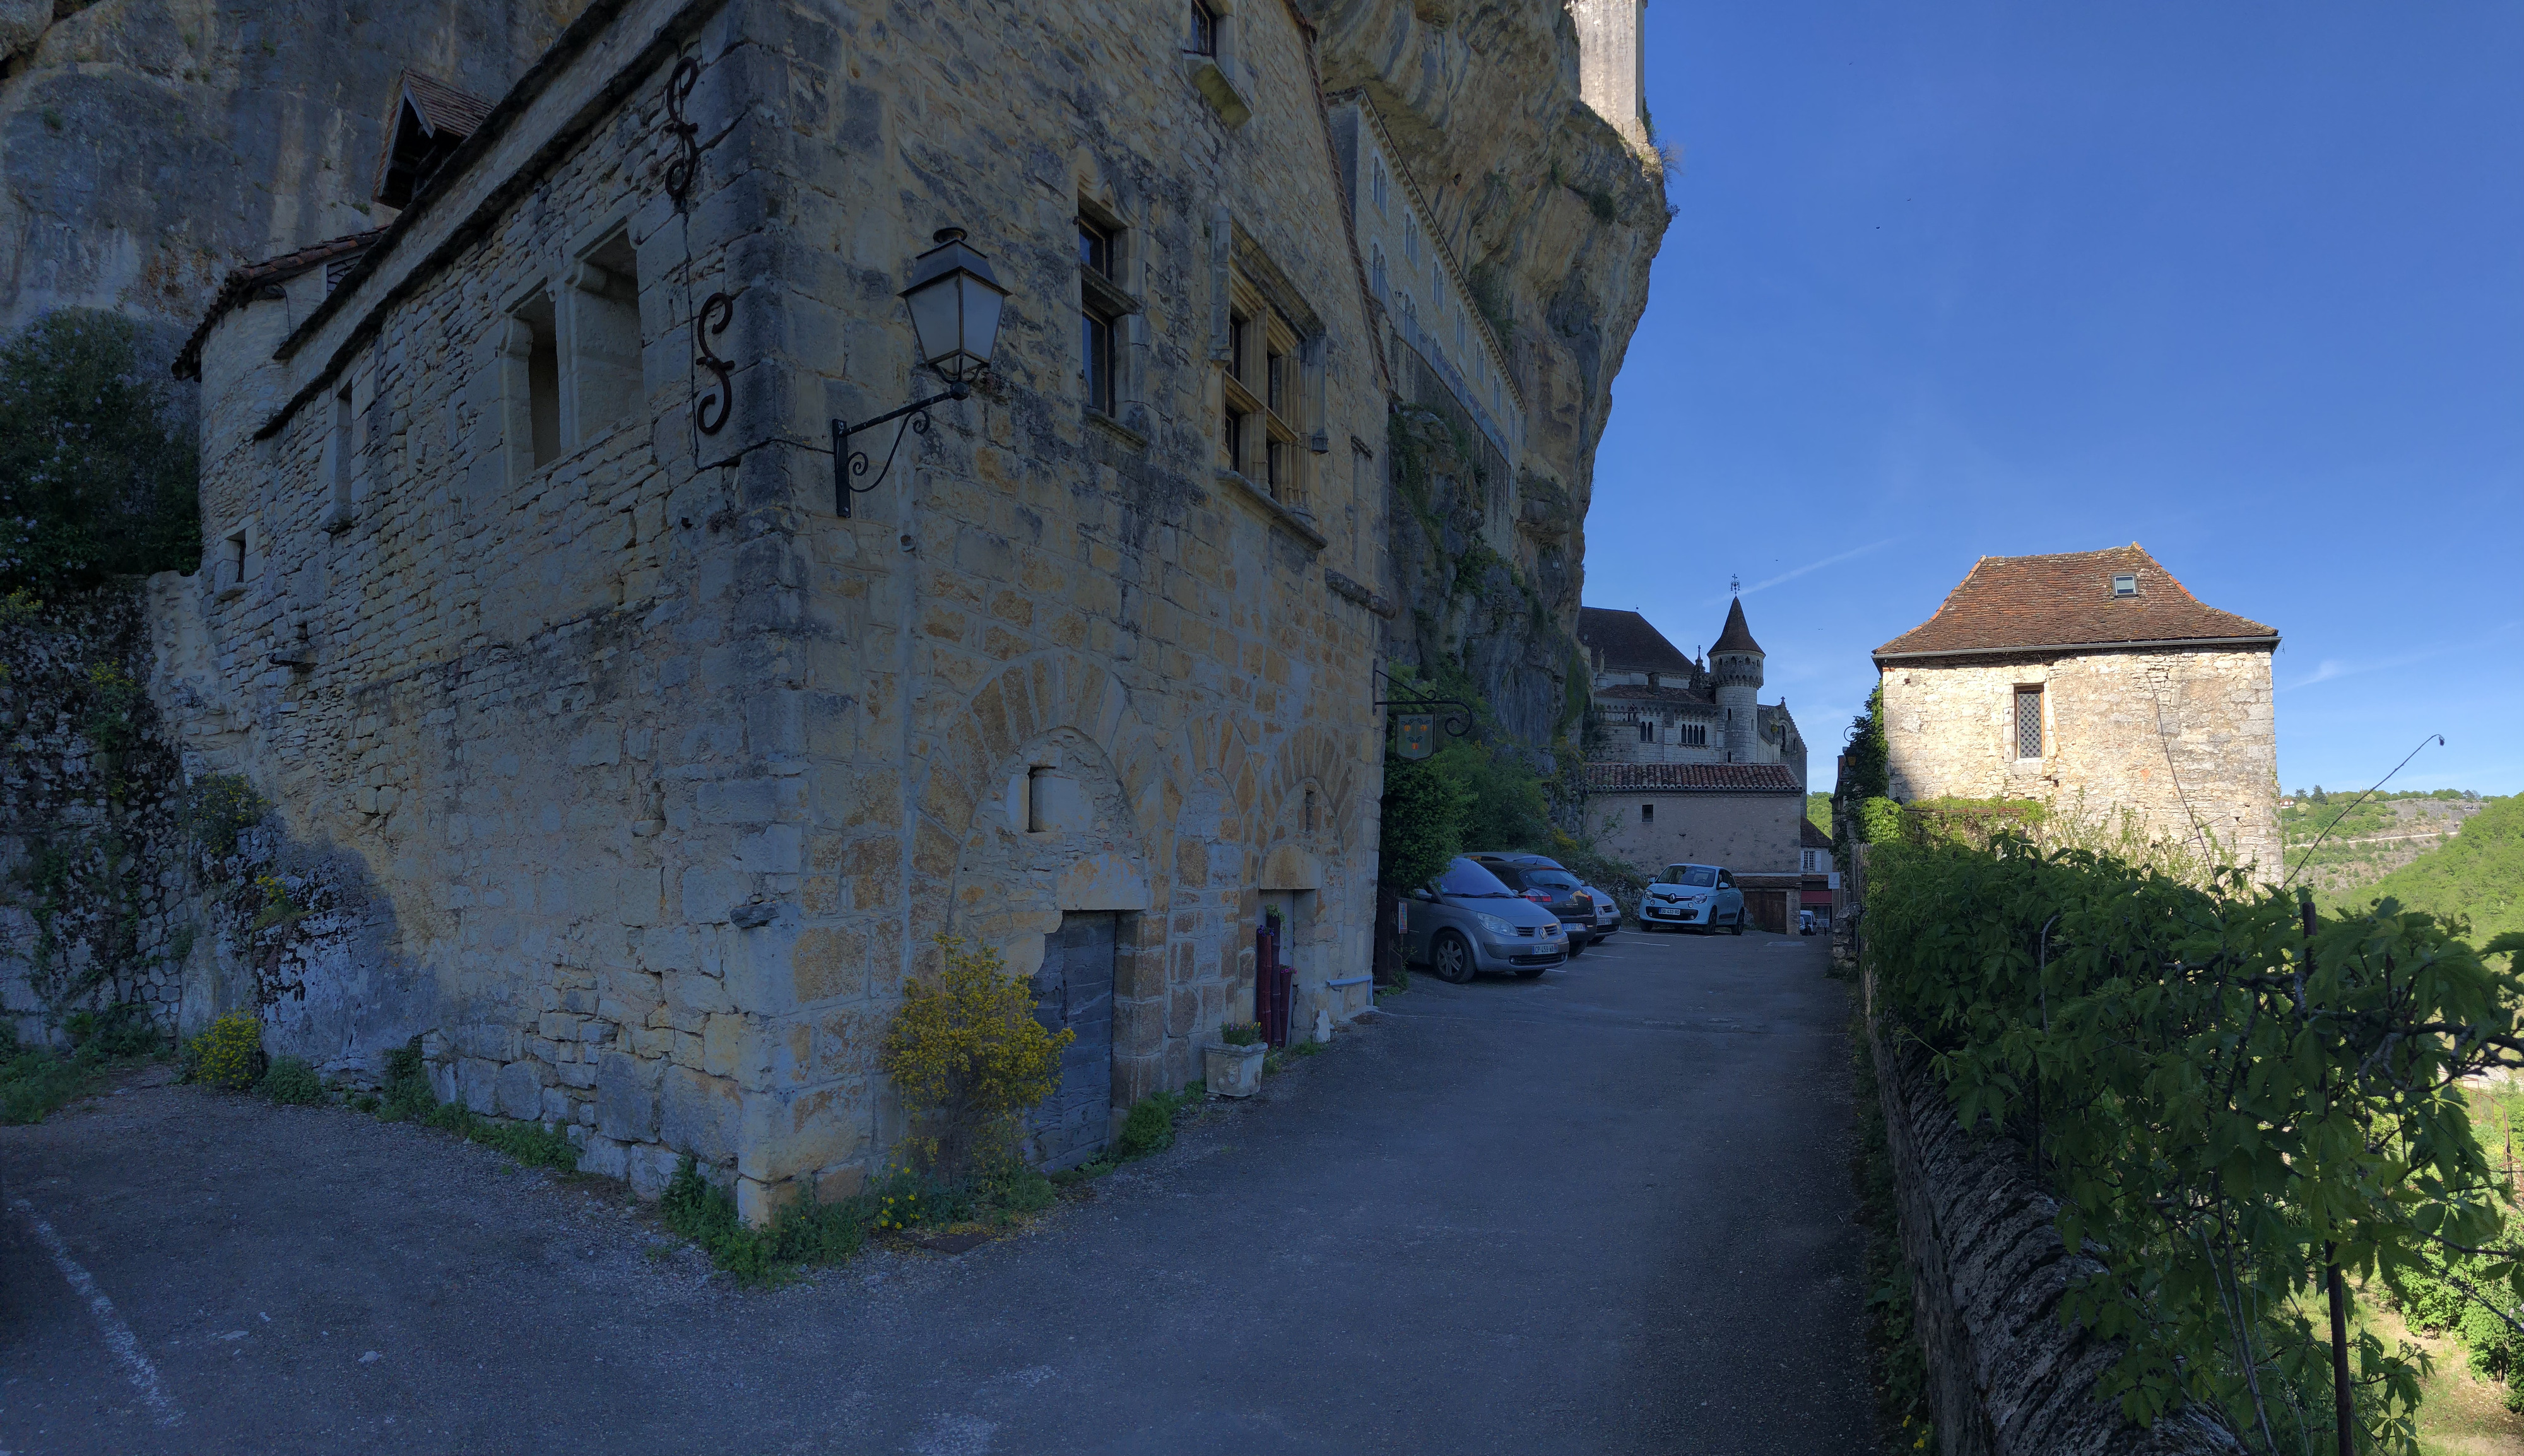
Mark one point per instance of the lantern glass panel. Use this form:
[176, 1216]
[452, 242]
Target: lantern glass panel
[933, 319]
[981, 317]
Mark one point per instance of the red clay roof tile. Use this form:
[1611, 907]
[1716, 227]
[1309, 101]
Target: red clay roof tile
[2010, 603]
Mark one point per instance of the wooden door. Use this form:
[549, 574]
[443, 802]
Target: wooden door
[1074, 989]
[1766, 910]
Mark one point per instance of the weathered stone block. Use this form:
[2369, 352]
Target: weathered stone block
[627, 1097]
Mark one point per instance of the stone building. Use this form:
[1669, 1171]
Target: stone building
[2093, 682]
[1684, 759]
[645, 777]
[611, 757]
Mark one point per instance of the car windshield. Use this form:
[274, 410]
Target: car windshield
[1551, 879]
[1697, 876]
[1469, 880]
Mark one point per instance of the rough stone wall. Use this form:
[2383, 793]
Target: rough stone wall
[1554, 217]
[148, 146]
[663, 776]
[2179, 736]
[1988, 1270]
[95, 869]
[1747, 832]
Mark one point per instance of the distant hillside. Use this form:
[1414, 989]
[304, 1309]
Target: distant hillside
[2371, 841]
[2478, 874]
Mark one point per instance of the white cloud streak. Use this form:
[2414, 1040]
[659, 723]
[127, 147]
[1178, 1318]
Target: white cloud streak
[1785, 576]
[2331, 668]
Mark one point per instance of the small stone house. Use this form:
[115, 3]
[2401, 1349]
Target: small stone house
[2093, 682]
[1684, 762]
[614, 758]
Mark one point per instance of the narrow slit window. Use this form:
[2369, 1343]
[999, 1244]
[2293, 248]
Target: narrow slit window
[2028, 722]
[1203, 41]
[1095, 326]
[1647, 814]
[1647, 732]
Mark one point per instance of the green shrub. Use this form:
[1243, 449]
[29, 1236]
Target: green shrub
[220, 806]
[530, 1143]
[406, 1094]
[230, 1055]
[1149, 1128]
[2218, 1106]
[119, 1031]
[293, 1081]
[33, 1082]
[98, 472]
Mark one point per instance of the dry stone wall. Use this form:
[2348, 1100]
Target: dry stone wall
[1988, 1270]
[2181, 737]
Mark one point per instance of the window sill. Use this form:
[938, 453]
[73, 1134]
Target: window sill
[1294, 522]
[1117, 429]
[1352, 591]
[1102, 295]
[1218, 90]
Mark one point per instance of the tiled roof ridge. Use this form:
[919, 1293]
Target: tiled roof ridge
[2063, 600]
[1705, 778]
[242, 281]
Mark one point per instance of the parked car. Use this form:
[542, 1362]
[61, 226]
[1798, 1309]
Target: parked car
[1546, 883]
[1468, 921]
[1607, 913]
[1699, 896]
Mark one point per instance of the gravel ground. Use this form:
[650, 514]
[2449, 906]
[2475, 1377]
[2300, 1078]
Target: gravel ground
[1605, 1211]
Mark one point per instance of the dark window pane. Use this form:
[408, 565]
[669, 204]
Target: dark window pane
[1276, 390]
[1464, 877]
[1094, 248]
[1204, 30]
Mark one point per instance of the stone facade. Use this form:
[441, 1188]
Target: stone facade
[2095, 683]
[1651, 817]
[2180, 736]
[664, 776]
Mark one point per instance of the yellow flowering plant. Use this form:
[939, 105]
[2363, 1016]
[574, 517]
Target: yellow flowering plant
[968, 1057]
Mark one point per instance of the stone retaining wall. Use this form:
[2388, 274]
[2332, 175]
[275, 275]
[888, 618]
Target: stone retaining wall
[2006, 1377]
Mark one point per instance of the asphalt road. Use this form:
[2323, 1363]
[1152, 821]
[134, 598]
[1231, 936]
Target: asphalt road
[1605, 1211]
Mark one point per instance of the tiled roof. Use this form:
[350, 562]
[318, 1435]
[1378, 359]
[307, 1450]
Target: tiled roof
[427, 121]
[1626, 641]
[2015, 602]
[1737, 637]
[441, 107]
[1691, 778]
[244, 282]
[1810, 838]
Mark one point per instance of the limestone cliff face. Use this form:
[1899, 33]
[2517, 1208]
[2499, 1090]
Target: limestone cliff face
[148, 146]
[1554, 217]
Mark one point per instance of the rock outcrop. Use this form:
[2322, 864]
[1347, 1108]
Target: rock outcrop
[1555, 215]
[149, 146]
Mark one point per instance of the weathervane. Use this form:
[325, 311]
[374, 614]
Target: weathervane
[1735, 584]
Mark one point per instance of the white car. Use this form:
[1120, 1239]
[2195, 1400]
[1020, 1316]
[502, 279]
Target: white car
[1701, 897]
[1608, 912]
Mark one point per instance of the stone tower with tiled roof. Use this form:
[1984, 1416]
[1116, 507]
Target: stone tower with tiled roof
[2095, 682]
[1735, 665]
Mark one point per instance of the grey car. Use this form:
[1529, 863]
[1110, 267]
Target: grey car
[1467, 922]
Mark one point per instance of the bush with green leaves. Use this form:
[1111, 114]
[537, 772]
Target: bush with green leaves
[293, 1081]
[227, 1055]
[98, 472]
[2226, 1112]
[1148, 1129]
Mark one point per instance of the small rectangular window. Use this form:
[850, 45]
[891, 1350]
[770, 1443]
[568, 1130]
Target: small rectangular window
[1647, 814]
[1647, 732]
[2028, 722]
[2125, 584]
[600, 317]
[1095, 351]
[1203, 41]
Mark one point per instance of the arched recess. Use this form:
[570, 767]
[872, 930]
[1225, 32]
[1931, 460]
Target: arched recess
[1324, 904]
[1046, 814]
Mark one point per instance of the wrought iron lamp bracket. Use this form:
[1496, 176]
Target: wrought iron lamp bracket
[849, 465]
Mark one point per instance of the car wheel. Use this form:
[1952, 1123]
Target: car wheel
[1577, 947]
[1740, 922]
[1450, 955]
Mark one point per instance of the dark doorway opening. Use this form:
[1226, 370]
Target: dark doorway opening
[1073, 990]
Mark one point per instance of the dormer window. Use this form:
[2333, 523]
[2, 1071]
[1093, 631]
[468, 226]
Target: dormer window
[429, 122]
[2125, 584]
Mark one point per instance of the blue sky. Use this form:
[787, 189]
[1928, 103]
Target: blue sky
[2240, 282]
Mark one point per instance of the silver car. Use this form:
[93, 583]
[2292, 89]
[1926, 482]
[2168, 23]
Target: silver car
[1467, 922]
[1607, 913]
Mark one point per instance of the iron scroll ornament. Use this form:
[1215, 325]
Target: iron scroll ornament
[716, 312]
[1419, 716]
[850, 464]
[686, 168]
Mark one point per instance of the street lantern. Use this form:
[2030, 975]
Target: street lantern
[954, 302]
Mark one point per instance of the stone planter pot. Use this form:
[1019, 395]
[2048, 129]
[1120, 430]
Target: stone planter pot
[1233, 1071]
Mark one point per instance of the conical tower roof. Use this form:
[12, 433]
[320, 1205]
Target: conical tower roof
[1737, 638]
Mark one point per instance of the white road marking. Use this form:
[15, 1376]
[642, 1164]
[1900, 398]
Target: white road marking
[118, 1335]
